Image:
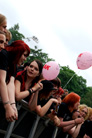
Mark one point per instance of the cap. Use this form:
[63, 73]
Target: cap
[47, 85]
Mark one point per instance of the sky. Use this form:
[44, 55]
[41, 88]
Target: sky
[63, 27]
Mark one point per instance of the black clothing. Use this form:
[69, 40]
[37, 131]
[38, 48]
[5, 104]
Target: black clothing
[6, 64]
[64, 113]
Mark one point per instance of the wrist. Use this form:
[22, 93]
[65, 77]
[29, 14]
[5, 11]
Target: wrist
[30, 91]
[75, 122]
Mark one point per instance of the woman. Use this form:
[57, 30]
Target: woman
[80, 129]
[25, 80]
[42, 102]
[2, 40]
[3, 23]
[10, 57]
[64, 116]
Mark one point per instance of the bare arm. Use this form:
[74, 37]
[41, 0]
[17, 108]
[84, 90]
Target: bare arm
[10, 113]
[42, 110]
[18, 94]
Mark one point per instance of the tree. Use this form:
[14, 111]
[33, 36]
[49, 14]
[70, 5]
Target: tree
[16, 35]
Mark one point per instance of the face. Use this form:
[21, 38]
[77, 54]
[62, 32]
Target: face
[33, 70]
[2, 41]
[76, 106]
[76, 114]
[3, 26]
[90, 118]
[83, 112]
[22, 58]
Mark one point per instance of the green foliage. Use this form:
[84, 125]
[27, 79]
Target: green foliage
[15, 33]
[38, 54]
[69, 79]
[87, 99]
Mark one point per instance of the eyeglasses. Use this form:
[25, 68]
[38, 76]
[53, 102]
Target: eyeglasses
[84, 112]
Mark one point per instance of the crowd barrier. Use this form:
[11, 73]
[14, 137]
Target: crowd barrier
[28, 125]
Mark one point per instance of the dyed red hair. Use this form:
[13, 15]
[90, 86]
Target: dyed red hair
[71, 99]
[17, 48]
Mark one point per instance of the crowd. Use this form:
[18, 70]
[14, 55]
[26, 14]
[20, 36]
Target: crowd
[25, 81]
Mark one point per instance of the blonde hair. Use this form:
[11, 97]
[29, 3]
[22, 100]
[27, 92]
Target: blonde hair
[90, 111]
[82, 106]
[9, 35]
[2, 19]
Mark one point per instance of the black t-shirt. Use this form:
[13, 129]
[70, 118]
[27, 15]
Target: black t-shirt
[44, 101]
[64, 112]
[6, 64]
[86, 128]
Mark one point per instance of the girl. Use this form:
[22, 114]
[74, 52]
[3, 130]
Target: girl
[11, 57]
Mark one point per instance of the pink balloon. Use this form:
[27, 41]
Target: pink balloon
[84, 60]
[50, 70]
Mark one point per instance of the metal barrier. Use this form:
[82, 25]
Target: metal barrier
[36, 128]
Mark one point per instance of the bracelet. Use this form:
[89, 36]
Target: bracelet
[8, 102]
[31, 91]
[12, 103]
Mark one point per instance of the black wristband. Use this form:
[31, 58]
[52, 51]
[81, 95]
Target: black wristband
[30, 91]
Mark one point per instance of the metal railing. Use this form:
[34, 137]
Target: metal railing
[37, 126]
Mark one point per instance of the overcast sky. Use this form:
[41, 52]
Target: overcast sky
[63, 27]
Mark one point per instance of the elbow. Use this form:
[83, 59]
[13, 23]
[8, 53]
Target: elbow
[17, 98]
[40, 113]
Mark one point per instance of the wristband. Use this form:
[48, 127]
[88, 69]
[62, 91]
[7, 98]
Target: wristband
[31, 91]
[8, 102]
[12, 103]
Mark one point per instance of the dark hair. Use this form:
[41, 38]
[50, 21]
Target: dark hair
[40, 65]
[56, 82]
[47, 88]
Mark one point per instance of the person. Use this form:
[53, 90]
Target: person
[26, 79]
[81, 130]
[42, 102]
[3, 23]
[64, 115]
[84, 111]
[8, 37]
[2, 40]
[11, 57]
[90, 113]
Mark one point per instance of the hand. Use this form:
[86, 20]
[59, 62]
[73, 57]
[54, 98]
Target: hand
[37, 86]
[10, 113]
[57, 121]
[79, 120]
[54, 100]
[85, 136]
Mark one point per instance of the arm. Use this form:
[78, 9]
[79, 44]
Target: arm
[11, 93]
[18, 94]
[10, 113]
[42, 110]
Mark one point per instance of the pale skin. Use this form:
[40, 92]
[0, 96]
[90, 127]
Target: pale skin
[7, 93]
[32, 72]
[41, 110]
[75, 130]
[2, 41]
[3, 26]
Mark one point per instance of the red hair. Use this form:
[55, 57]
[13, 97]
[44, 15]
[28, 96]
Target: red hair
[71, 99]
[17, 48]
